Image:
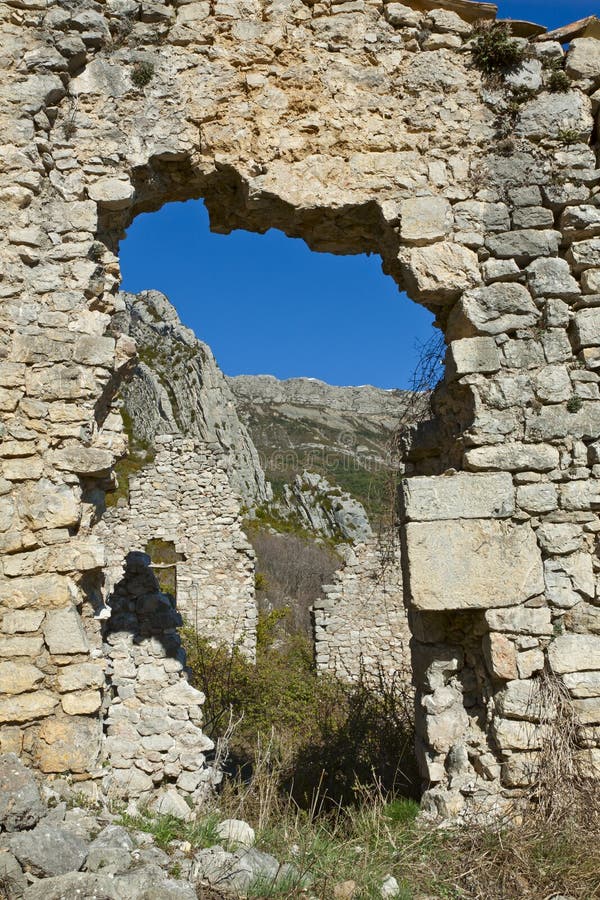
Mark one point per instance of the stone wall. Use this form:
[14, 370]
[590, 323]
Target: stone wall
[184, 497]
[360, 127]
[361, 625]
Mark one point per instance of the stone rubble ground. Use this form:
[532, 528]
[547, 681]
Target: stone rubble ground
[51, 848]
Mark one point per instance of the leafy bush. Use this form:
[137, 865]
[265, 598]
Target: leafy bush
[494, 51]
[325, 735]
[558, 81]
[574, 404]
[142, 73]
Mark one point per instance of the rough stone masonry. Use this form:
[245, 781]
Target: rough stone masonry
[361, 127]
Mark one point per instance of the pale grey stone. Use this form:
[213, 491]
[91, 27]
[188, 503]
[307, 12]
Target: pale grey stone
[513, 734]
[520, 620]
[527, 75]
[112, 193]
[48, 850]
[64, 633]
[481, 216]
[578, 222]
[525, 245]
[551, 278]
[83, 460]
[537, 498]
[548, 114]
[21, 805]
[568, 579]
[583, 684]
[552, 384]
[587, 327]
[493, 309]
[441, 271]
[583, 61]
[236, 832]
[472, 564]
[425, 219]
[500, 270]
[459, 496]
[554, 422]
[560, 537]
[472, 355]
[402, 16]
[574, 653]
[584, 254]
[533, 217]
[513, 457]
[521, 700]
[171, 803]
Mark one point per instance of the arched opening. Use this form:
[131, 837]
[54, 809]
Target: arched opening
[306, 534]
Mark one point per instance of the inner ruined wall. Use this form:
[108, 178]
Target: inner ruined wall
[360, 127]
[360, 623]
[183, 497]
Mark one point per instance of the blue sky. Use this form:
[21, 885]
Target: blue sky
[267, 304]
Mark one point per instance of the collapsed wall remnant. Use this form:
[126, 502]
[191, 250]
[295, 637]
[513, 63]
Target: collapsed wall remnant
[183, 498]
[361, 127]
[361, 626]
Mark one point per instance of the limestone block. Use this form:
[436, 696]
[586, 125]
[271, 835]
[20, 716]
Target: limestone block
[79, 676]
[537, 498]
[479, 354]
[425, 219]
[521, 700]
[515, 734]
[64, 633]
[112, 193]
[590, 281]
[48, 505]
[81, 703]
[558, 538]
[525, 245]
[551, 278]
[520, 769]
[440, 272]
[583, 60]
[41, 591]
[552, 422]
[533, 217]
[82, 460]
[460, 496]
[574, 653]
[402, 16]
[472, 564]
[580, 495]
[520, 620]
[68, 745]
[15, 678]
[530, 662]
[587, 710]
[500, 656]
[481, 216]
[493, 309]
[583, 684]
[547, 115]
[578, 222]
[102, 79]
[19, 621]
[552, 384]
[513, 457]
[25, 707]
[568, 579]
[94, 350]
[584, 254]
[587, 327]
[21, 646]
[448, 20]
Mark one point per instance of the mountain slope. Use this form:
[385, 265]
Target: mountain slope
[343, 433]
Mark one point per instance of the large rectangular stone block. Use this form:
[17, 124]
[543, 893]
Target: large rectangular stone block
[472, 564]
[460, 496]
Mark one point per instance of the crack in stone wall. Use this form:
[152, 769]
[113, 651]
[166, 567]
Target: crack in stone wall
[360, 127]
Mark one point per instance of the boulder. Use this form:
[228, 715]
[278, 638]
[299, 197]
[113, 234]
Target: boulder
[236, 832]
[49, 850]
[21, 805]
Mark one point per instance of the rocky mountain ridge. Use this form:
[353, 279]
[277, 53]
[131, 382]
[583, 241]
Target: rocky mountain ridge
[177, 387]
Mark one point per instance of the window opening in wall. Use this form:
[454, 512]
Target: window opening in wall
[163, 562]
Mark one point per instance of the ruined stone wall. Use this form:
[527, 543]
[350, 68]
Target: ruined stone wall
[360, 622]
[359, 126]
[184, 497]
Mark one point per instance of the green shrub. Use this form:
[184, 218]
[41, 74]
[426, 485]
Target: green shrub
[142, 73]
[574, 404]
[494, 51]
[558, 81]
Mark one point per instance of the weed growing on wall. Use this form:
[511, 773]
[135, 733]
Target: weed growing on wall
[493, 49]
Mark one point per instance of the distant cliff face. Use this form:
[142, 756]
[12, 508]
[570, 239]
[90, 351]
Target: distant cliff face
[344, 433]
[177, 387]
